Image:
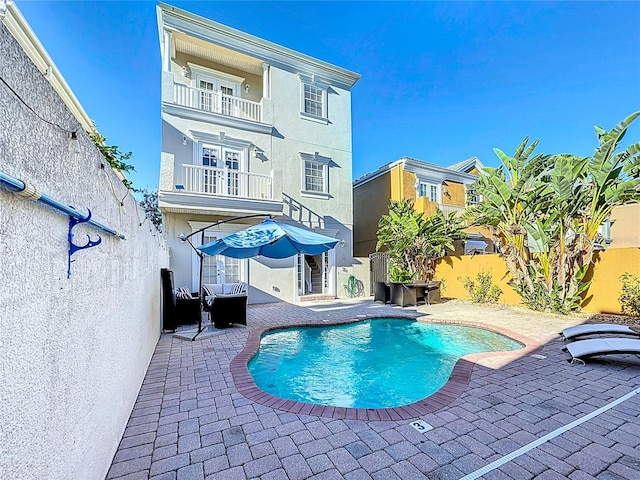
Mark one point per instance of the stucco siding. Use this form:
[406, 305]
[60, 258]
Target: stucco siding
[408, 186]
[453, 193]
[74, 350]
[601, 296]
[370, 202]
[625, 232]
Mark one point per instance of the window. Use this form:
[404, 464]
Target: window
[429, 190]
[313, 98]
[221, 269]
[315, 175]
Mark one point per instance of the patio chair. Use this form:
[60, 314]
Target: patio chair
[227, 309]
[597, 329]
[179, 307]
[593, 347]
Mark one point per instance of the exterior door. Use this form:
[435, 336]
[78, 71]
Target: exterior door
[226, 100]
[210, 156]
[207, 95]
[232, 163]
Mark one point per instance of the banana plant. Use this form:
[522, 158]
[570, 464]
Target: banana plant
[546, 210]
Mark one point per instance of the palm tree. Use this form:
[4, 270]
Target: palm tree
[545, 212]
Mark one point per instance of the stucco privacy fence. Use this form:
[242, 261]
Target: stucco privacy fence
[74, 350]
[601, 297]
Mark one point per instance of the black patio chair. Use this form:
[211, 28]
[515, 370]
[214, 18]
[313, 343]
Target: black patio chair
[177, 311]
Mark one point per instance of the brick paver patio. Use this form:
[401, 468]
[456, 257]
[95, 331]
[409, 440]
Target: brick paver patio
[191, 423]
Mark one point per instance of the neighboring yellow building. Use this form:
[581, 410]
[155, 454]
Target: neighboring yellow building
[430, 186]
[625, 226]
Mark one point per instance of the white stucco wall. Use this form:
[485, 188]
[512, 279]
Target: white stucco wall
[73, 351]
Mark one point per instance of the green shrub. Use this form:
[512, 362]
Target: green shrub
[482, 289]
[630, 297]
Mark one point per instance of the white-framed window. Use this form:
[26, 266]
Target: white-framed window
[315, 175]
[313, 98]
[429, 190]
[474, 199]
[221, 269]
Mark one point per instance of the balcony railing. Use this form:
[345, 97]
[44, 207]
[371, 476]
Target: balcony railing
[447, 209]
[216, 102]
[227, 182]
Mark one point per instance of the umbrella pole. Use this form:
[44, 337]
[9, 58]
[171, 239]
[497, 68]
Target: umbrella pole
[185, 238]
[202, 299]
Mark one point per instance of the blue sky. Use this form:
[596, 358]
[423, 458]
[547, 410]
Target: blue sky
[441, 81]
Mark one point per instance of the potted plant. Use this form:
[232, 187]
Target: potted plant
[414, 244]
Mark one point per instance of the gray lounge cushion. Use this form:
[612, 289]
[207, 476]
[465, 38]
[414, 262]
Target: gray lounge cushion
[597, 328]
[603, 346]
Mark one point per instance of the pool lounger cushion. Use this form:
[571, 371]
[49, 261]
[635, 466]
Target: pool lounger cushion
[597, 328]
[602, 346]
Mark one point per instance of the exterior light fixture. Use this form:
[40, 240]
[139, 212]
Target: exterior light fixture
[246, 88]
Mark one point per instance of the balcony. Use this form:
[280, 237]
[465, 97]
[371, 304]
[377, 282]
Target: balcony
[226, 182]
[198, 189]
[216, 102]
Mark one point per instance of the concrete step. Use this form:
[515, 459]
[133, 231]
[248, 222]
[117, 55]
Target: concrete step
[315, 297]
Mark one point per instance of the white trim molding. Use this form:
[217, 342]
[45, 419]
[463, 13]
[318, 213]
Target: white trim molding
[199, 27]
[322, 161]
[320, 85]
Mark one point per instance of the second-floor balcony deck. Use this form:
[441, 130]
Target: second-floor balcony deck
[216, 102]
[217, 191]
[226, 182]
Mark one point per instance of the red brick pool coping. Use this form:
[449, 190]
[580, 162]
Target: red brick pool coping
[457, 383]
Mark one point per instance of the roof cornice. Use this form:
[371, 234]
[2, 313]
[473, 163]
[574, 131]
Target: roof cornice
[208, 30]
[420, 169]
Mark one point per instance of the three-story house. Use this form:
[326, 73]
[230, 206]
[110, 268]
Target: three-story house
[252, 128]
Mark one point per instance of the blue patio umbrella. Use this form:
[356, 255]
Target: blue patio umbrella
[270, 239]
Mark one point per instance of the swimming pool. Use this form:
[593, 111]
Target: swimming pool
[379, 363]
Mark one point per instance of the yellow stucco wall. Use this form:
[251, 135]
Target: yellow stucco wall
[425, 206]
[605, 288]
[602, 296]
[396, 184]
[453, 193]
[408, 186]
[370, 202]
[625, 231]
[453, 271]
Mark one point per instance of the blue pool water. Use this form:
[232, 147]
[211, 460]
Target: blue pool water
[377, 363]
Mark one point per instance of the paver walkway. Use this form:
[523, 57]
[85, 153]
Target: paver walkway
[190, 422]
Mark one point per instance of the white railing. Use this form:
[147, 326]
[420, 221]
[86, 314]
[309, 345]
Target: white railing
[447, 209]
[307, 277]
[216, 102]
[227, 182]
